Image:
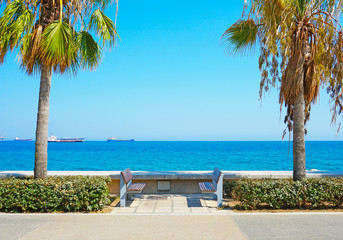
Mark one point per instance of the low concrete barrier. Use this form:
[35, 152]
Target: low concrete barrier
[180, 181]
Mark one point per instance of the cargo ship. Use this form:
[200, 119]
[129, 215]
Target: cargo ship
[22, 139]
[55, 139]
[113, 139]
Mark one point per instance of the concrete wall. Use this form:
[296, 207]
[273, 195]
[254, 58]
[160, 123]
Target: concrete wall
[180, 181]
[176, 186]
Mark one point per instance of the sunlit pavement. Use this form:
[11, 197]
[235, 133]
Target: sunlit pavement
[172, 217]
[97, 226]
[171, 204]
[307, 225]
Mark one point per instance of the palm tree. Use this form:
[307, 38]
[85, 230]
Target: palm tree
[300, 50]
[54, 36]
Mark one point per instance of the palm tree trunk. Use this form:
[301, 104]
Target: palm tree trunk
[299, 161]
[41, 153]
[49, 13]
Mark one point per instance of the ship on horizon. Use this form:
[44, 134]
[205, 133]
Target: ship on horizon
[55, 139]
[1, 138]
[22, 139]
[113, 139]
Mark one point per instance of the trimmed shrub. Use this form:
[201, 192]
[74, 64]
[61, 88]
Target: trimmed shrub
[228, 187]
[287, 194]
[67, 194]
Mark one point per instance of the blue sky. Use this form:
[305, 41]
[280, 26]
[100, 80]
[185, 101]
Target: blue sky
[168, 78]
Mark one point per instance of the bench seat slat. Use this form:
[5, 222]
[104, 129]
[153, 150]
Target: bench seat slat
[127, 187]
[206, 187]
[216, 187]
[136, 187]
[127, 175]
[216, 174]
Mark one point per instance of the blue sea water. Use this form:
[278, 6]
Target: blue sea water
[159, 156]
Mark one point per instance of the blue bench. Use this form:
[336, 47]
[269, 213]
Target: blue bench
[216, 187]
[126, 186]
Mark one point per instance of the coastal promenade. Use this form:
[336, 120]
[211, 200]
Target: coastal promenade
[178, 182]
[173, 216]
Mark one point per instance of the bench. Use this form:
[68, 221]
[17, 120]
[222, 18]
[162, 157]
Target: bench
[216, 187]
[126, 186]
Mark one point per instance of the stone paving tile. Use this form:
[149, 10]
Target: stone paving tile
[169, 203]
[164, 203]
[144, 210]
[211, 210]
[124, 210]
[199, 210]
[163, 210]
[182, 210]
[163, 206]
[134, 203]
[148, 202]
[209, 204]
[180, 204]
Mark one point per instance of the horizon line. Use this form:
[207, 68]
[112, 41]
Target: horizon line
[93, 140]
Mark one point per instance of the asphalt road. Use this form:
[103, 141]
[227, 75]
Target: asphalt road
[291, 226]
[231, 226]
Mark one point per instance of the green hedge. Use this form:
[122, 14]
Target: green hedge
[287, 194]
[67, 194]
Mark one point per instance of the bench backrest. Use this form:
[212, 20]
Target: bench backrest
[127, 175]
[215, 177]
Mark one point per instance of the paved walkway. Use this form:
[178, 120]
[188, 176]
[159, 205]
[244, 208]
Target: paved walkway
[321, 226]
[103, 227]
[170, 204]
[284, 226]
[172, 217]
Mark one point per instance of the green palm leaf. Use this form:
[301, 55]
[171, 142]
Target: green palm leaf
[19, 27]
[12, 12]
[28, 61]
[104, 27]
[15, 22]
[102, 3]
[46, 43]
[90, 51]
[57, 47]
[241, 36]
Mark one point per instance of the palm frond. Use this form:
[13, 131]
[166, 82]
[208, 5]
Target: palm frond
[104, 27]
[302, 6]
[15, 22]
[102, 3]
[90, 51]
[272, 11]
[12, 12]
[241, 36]
[19, 27]
[26, 53]
[57, 48]
[30, 49]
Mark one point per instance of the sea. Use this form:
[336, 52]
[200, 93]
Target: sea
[174, 155]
